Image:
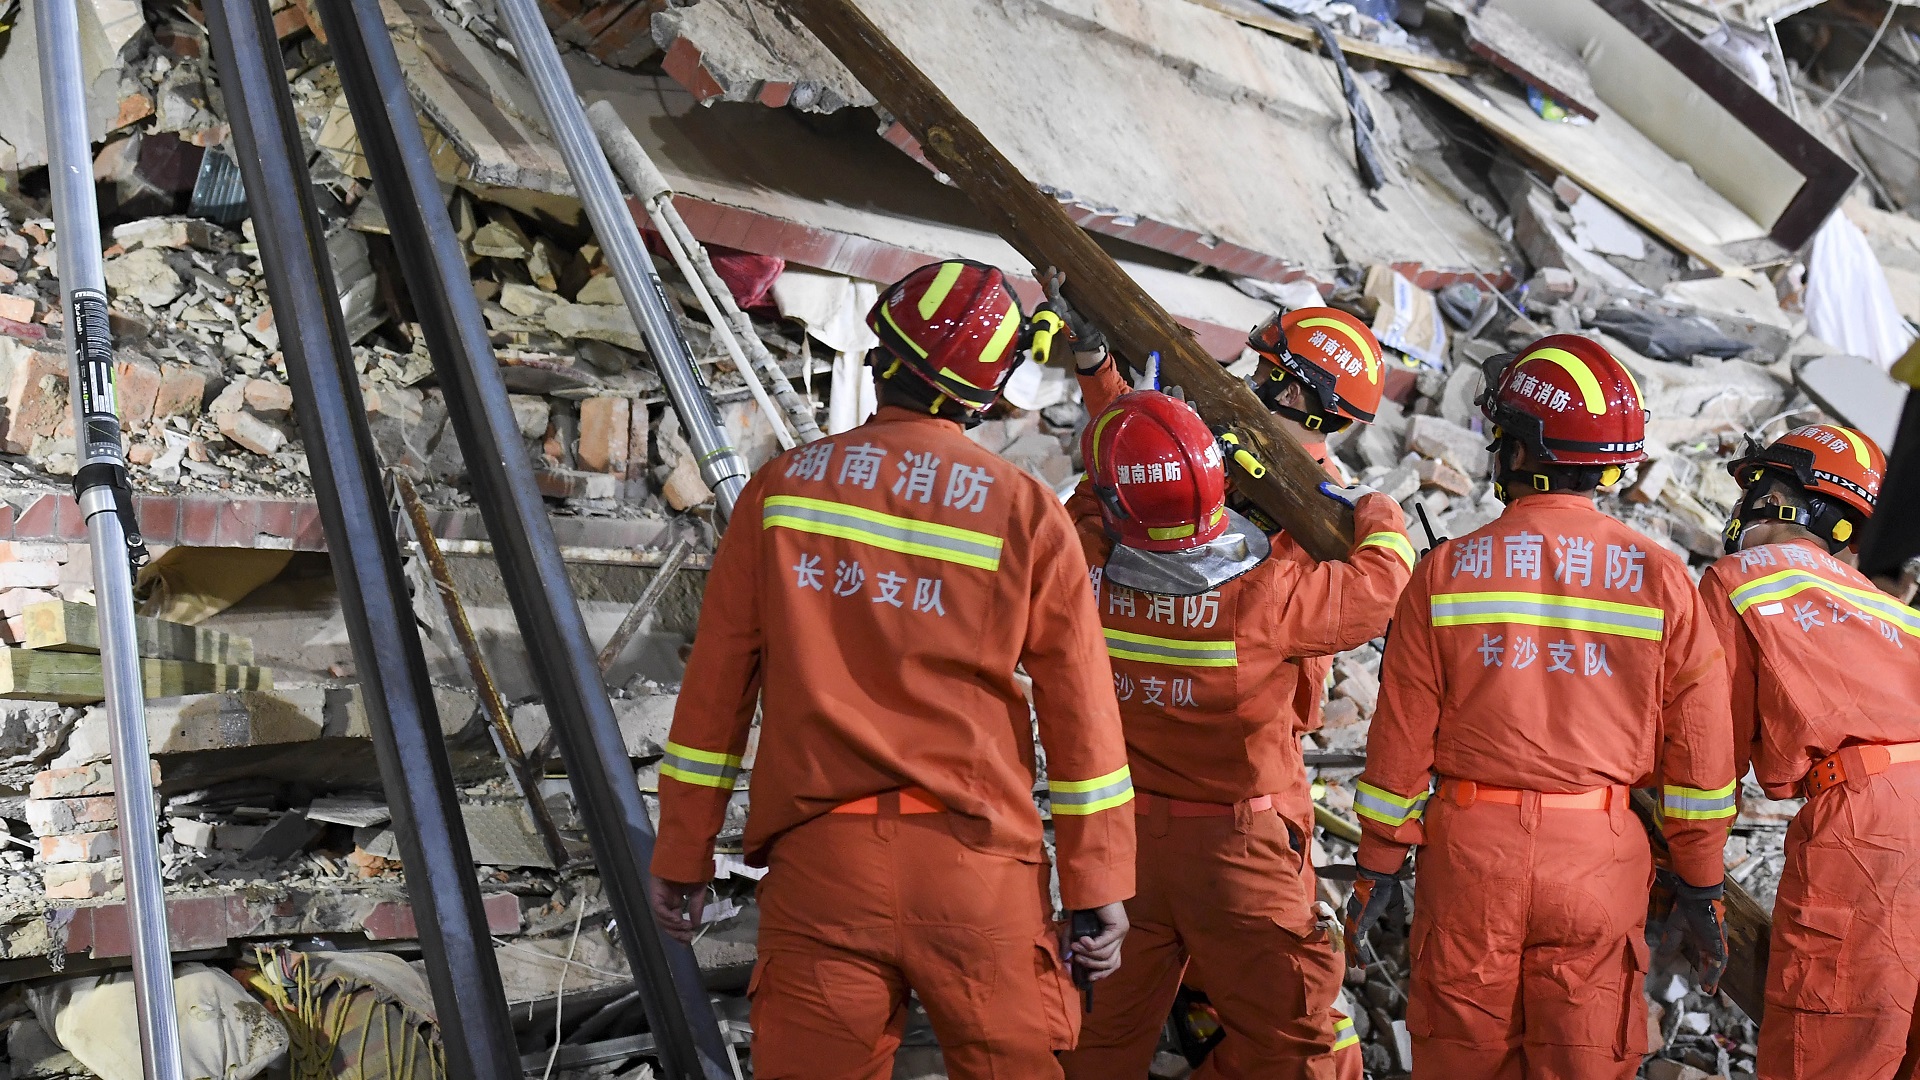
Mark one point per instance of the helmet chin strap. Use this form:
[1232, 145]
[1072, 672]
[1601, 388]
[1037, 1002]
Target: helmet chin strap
[1511, 483]
[1820, 517]
[1325, 423]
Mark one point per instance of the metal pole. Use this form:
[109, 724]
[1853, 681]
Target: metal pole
[720, 464]
[388, 658]
[113, 533]
[678, 1011]
[650, 186]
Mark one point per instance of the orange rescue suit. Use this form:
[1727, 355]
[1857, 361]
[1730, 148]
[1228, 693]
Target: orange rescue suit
[1824, 661]
[1210, 688]
[873, 595]
[1553, 652]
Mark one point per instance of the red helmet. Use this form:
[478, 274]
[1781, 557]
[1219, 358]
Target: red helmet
[1158, 473]
[1330, 351]
[1824, 460]
[956, 325]
[1571, 403]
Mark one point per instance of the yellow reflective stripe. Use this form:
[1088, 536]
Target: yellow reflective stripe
[1366, 351]
[1093, 447]
[1078, 798]
[1171, 533]
[1591, 395]
[706, 768]
[1343, 1034]
[1002, 337]
[1158, 650]
[1386, 807]
[886, 312]
[1540, 609]
[1786, 583]
[1394, 541]
[824, 517]
[1698, 804]
[936, 293]
[1853, 439]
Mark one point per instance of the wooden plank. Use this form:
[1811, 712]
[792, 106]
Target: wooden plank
[71, 678]
[64, 626]
[1749, 927]
[1246, 15]
[1613, 160]
[1541, 64]
[1286, 480]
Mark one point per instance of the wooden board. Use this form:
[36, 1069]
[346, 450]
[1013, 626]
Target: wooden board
[1249, 15]
[1285, 482]
[1541, 64]
[1614, 160]
[64, 626]
[71, 678]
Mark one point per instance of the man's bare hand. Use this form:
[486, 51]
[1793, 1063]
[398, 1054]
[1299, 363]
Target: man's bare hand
[677, 907]
[1099, 956]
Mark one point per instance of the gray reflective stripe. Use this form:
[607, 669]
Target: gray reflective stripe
[1682, 802]
[703, 768]
[1380, 809]
[1454, 609]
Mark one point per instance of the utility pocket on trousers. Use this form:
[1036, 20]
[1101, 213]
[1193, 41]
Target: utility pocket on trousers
[1808, 942]
[1059, 998]
[1419, 940]
[1632, 1040]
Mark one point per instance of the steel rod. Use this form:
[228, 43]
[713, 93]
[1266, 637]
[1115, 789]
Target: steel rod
[643, 607]
[512, 755]
[102, 489]
[720, 464]
[389, 660]
[435, 269]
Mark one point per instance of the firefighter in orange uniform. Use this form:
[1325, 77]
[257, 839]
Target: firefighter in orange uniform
[1826, 705]
[1205, 616]
[1537, 669]
[874, 594]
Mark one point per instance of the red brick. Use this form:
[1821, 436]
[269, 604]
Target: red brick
[277, 517]
[36, 399]
[16, 308]
[603, 435]
[39, 521]
[682, 64]
[239, 523]
[82, 881]
[159, 518]
[181, 391]
[70, 521]
[309, 534]
[23, 331]
[775, 95]
[86, 780]
[136, 385]
[79, 847]
[6, 520]
[199, 520]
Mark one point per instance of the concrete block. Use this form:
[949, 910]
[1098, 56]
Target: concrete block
[82, 881]
[1443, 440]
[29, 575]
[236, 718]
[644, 723]
[530, 414]
[54, 817]
[83, 847]
[267, 396]
[1439, 474]
[192, 833]
[251, 432]
[237, 837]
[95, 779]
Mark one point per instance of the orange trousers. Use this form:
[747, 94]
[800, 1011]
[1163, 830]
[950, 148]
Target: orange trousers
[1233, 897]
[858, 909]
[1529, 944]
[1844, 969]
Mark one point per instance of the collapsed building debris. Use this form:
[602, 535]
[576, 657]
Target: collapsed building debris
[274, 829]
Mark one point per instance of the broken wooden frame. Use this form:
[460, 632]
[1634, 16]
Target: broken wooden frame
[1285, 480]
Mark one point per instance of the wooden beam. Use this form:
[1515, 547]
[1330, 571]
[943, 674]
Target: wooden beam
[1749, 927]
[71, 678]
[63, 626]
[1247, 15]
[1286, 481]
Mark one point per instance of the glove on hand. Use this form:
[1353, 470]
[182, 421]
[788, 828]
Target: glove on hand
[1703, 920]
[1086, 339]
[1351, 496]
[1373, 894]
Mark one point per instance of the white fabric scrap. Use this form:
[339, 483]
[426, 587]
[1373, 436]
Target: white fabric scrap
[1849, 304]
[224, 1032]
